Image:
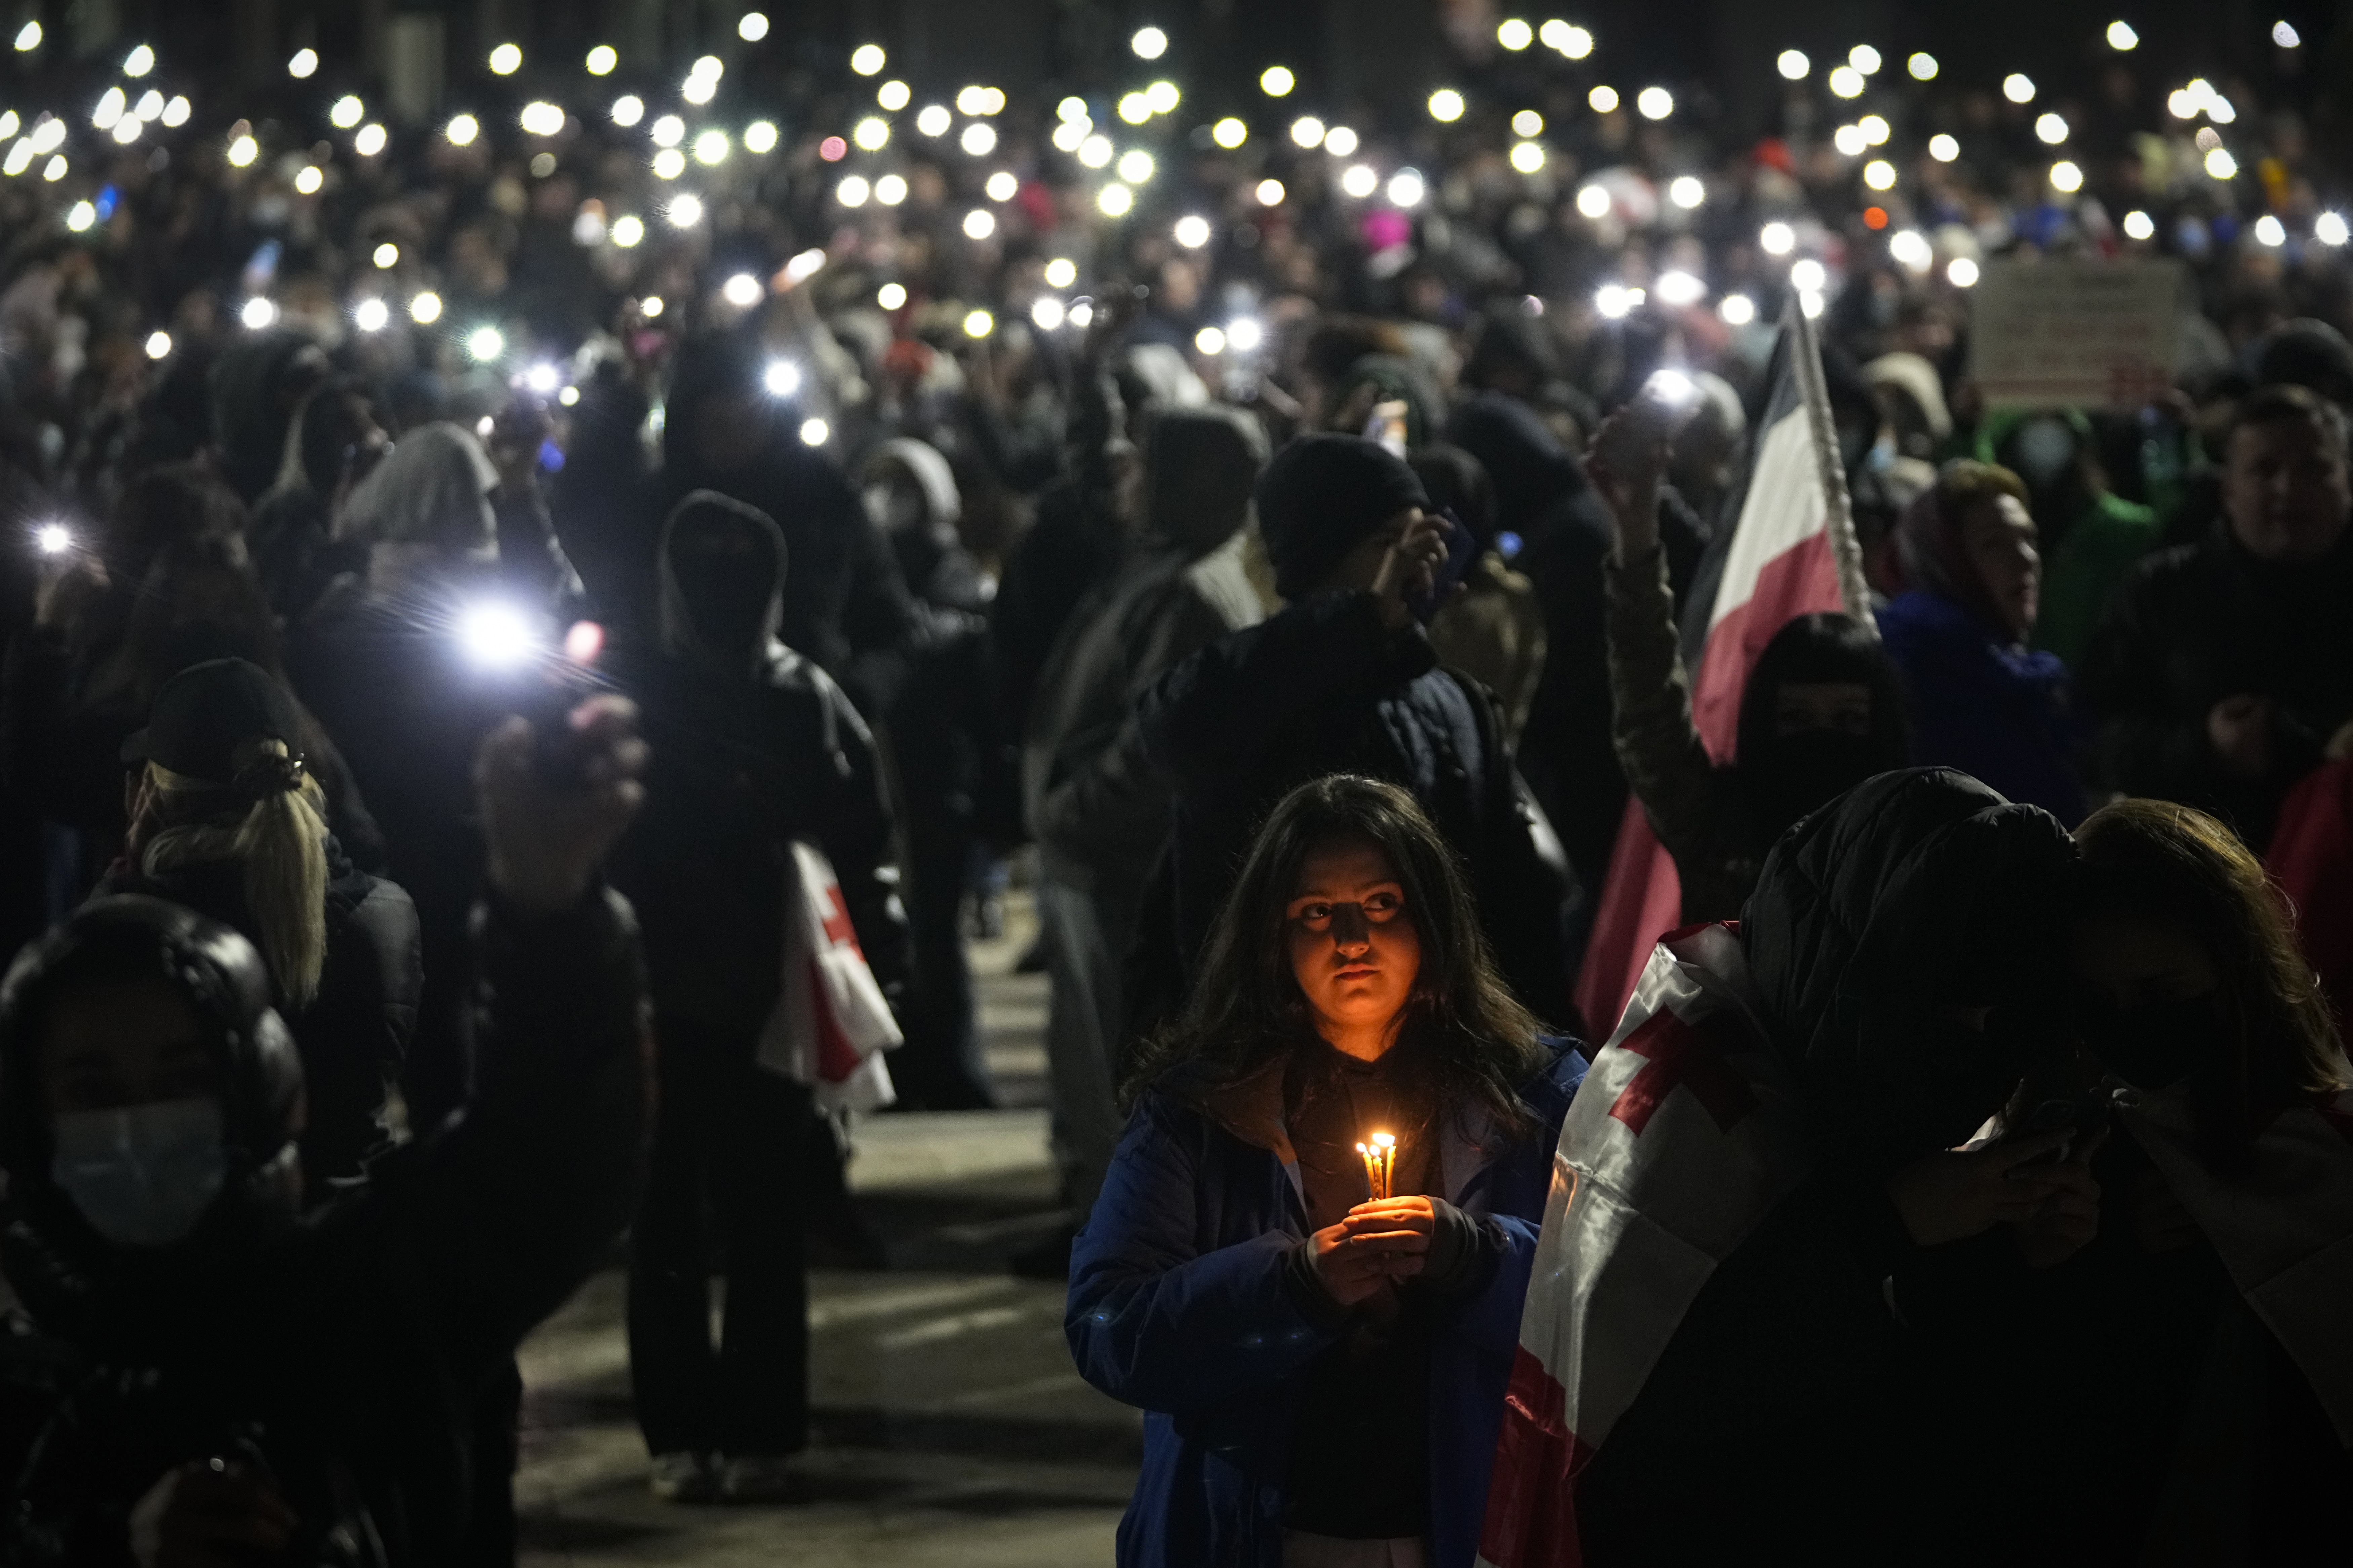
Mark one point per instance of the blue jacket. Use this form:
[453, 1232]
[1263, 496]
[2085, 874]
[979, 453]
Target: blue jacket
[2001, 715]
[1178, 1305]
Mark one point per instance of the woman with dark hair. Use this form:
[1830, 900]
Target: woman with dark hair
[2203, 1332]
[1981, 701]
[1321, 1362]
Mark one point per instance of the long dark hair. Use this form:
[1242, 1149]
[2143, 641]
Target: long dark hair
[1475, 1041]
[2153, 862]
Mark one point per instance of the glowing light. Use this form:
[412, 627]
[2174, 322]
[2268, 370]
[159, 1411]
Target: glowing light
[890, 190]
[1514, 35]
[1655, 103]
[485, 343]
[1850, 140]
[814, 432]
[29, 38]
[176, 113]
[19, 159]
[1737, 310]
[1678, 287]
[2270, 231]
[1081, 313]
[1269, 193]
[2121, 36]
[1776, 238]
[1807, 274]
[1846, 81]
[568, 397]
[2139, 224]
[2284, 35]
[1407, 188]
[1062, 272]
[111, 105]
[1864, 58]
[308, 179]
[1192, 232]
[1230, 133]
[2330, 228]
[1209, 340]
[2049, 128]
[979, 224]
[1943, 148]
[2220, 166]
[56, 538]
[685, 210]
[743, 290]
[81, 216]
[1002, 187]
[668, 130]
[1307, 131]
[1446, 105]
[1911, 247]
[1593, 201]
[1150, 43]
[242, 151]
[497, 635]
[1276, 82]
[2018, 86]
[628, 230]
[2066, 177]
[541, 119]
[1615, 301]
[853, 191]
[710, 148]
[1575, 43]
[1961, 272]
[760, 136]
[258, 313]
[1135, 166]
[1116, 201]
[782, 377]
[1359, 181]
[540, 378]
[1686, 191]
[978, 323]
[1793, 65]
[1095, 151]
[1603, 99]
[48, 136]
[425, 308]
[1243, 334]
[159, 344]
[628, 109]
[700, 89]
[462, 129]
[895, 95]
[1875, 130]
[979, 138]
[54, 170]
[1923, 66]
[1134, 108]
[651, 306]
[868, 60]
[1527, 123]
[804, 266]
[871, 134]
[126, 128]
[1047, 311]
[668, 164]
[752, 27]
[304, 63]
[1528, 157]
[371, 315]
[602, 60]
[980, 101]
[1879, 174]
[891, 296]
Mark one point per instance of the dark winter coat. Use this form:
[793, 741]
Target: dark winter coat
[2002, 715]
[1178, 1305]
[1324, 687]
[344, 1358]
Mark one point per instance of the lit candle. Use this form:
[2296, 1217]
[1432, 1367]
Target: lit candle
[1381, 1165]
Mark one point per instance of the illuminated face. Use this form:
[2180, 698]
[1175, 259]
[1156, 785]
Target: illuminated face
[1999, 535]
[2286, 491]
[1354, 949]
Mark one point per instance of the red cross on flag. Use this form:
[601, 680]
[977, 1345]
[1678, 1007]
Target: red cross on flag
[831, 1023]
[1681, 1138]
[1792, 553]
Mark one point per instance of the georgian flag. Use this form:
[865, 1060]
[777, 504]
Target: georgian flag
[1792, 552]
[1682, 1137]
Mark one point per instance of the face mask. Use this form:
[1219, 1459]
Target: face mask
[142, 1175]
[2157, 1044]
[727, 600]
[1794, 775]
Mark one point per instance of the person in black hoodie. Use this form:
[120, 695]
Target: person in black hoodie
[755, 746]
[227, 820]
[2225, 665]
[200, 1371]
[1343, 680]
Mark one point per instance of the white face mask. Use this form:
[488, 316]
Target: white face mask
[142, 1175]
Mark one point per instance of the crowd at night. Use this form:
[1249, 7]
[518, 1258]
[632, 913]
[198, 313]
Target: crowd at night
[1678, 746]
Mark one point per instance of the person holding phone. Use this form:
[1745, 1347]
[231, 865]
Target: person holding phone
[1342, 679]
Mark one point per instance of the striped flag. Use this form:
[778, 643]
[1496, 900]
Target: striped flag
[1682, 1137]
[1792, 552]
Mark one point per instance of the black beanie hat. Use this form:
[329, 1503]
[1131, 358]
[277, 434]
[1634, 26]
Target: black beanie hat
[1321, 497]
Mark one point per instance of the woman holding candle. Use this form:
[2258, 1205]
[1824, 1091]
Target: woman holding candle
[1322, 1366]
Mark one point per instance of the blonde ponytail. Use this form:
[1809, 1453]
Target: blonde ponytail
[280, 842]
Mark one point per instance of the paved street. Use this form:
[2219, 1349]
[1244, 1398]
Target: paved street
[950, 1427]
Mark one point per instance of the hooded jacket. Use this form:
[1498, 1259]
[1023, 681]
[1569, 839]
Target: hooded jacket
[752, 746]
[1879, 925]
[343, 1354]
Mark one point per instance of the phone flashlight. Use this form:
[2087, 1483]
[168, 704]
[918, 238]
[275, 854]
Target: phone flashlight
[497, 635]
[53, 539]
[1671, 387]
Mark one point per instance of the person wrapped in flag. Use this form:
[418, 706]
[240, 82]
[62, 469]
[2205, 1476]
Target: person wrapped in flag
[1307, 1261]
[1712, 1355]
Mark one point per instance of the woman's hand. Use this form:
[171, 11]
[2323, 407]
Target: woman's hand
[2070, 1217]
[1409, 567]
[1956, 1193]
[545, 841]
[1375, 1244]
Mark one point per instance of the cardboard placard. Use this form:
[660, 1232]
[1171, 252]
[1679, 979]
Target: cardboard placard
[2052, 333]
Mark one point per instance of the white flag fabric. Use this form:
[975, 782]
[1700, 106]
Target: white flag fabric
[831, 1023]
[1682, 1136]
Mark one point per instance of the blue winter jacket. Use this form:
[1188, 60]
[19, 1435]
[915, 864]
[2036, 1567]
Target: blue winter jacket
[1178, 1305]
[2001, 715]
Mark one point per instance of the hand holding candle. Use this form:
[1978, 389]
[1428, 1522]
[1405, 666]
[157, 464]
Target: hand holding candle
[1381, 1165]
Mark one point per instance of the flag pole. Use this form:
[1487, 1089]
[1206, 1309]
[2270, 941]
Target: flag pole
[1846, 550]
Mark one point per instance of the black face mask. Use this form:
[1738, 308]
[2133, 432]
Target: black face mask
[2156, 1044]
[727, 599]
[1792, 776]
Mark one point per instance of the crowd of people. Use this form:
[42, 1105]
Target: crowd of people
[479, 590]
